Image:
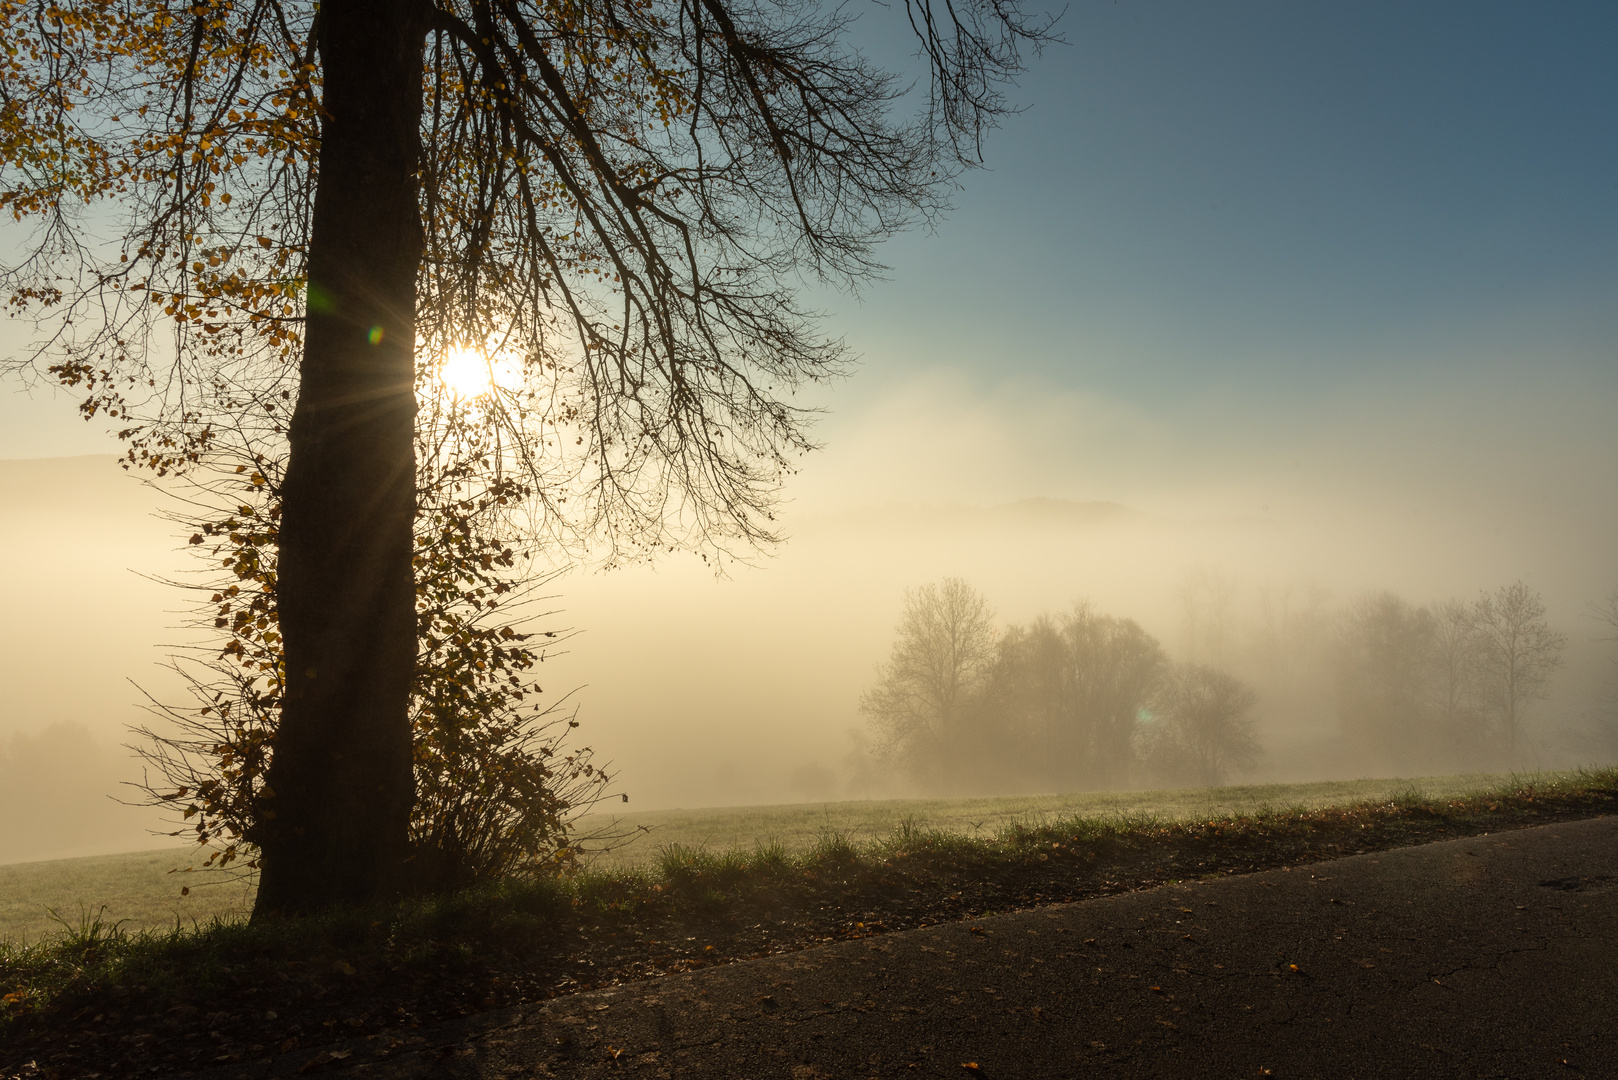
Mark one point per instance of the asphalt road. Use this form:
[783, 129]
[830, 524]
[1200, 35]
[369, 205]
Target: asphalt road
[1495, 956]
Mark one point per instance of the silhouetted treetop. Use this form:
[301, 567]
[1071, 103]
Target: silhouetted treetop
[258, 225]
[619, 201]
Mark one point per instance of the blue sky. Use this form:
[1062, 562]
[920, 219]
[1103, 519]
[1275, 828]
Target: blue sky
[1248, 257]
[1295, 194]
[1234, 254]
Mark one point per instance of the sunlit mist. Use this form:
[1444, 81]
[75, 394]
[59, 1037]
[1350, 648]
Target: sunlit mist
[468, 372]
[1282, 333]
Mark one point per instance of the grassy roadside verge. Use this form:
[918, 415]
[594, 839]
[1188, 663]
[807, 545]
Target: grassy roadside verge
[104, 1002]
[141, 890]
[799, 827]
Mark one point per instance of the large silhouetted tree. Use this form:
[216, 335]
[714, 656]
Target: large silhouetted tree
[267, 215]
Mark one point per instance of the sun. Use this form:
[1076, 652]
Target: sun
[466, 371]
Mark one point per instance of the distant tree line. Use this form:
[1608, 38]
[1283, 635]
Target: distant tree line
[1086, 700]
[1454, 676]
[1082, 700]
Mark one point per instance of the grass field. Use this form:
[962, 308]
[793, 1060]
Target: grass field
[797, 827]
[139, 890]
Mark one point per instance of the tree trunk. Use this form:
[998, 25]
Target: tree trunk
[341, 778]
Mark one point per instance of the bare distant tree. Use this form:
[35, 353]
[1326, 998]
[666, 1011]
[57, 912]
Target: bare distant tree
[1204, 728]
[1029, 695]
[1607, 611]
[1605, 741]
[919, 706]
[1294, 628]
[1063, 702]
[1115, 668]
[1520, 653]
[867, 777]
[1384, 650]
[1456, 658]
[1208, 606]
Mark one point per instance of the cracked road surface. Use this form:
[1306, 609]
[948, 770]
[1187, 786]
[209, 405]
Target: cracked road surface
[1495, 956]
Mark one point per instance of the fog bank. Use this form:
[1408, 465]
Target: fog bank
[744, 688]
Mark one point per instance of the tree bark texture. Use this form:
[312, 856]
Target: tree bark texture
[341, 778]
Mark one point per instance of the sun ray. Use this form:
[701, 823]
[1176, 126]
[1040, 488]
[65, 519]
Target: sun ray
[467, 372]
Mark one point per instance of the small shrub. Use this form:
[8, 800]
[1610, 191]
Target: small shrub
[91, 936]
[1408, 797]
[832, 849]
[770, 857]
[495, 790]
[681, 865]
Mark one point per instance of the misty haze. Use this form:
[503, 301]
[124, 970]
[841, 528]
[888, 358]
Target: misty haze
[576, 521]
[1223, 344]
[746, 689]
